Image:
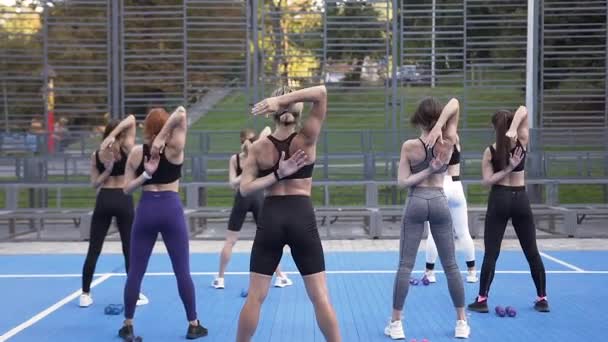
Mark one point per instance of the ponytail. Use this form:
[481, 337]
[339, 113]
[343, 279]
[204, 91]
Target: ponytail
[245, 147]
[501, 121]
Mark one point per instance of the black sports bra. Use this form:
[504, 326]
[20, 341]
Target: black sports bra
[283, 146]
[423, 165]
[166, 173]
[518, 168]
[239, 170]
[119, 166]
[455, 159]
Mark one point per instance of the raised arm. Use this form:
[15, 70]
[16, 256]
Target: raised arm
[233, 179]
[489, 177]
[405, 177]
[133, 181]
[312, 127]
[287, 167]
[449, 119]
[520, 127]
[265, 132]
[173, 133]
[248, 182]
[128, 127]
[97, 179]
[313, 124]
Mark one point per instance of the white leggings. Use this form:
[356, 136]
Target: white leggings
[458, 208]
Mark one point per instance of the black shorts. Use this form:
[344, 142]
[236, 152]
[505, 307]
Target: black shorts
[242, 205]
[287, 220]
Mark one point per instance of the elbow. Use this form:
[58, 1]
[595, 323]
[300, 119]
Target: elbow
[127, 190]
[454, 101]
[486, 182]
[523, 110]
[323, 91]
[131, 119]
[234, 184]
[181, 112]
[321, 95]
[244, 190]
[402, 183]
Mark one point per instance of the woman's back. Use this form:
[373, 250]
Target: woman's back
[419, 157]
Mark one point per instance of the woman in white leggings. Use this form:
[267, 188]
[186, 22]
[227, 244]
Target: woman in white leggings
[458, 208]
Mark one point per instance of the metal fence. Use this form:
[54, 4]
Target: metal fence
[79, 60]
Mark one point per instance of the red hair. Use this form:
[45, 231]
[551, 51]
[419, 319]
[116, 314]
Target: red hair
[155, 120]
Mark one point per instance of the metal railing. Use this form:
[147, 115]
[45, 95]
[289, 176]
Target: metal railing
[218, 194]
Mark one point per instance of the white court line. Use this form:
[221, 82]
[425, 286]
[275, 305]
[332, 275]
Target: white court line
[165, 274]
[561, 262]
[50, 310]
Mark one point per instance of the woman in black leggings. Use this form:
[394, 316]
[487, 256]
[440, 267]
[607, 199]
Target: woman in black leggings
[107, 176]
[503, 168]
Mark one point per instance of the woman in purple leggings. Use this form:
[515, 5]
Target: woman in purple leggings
[156, 167]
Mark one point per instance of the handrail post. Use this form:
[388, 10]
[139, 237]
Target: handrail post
[371, 195]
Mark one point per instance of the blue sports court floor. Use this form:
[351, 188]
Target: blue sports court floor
[39, 296]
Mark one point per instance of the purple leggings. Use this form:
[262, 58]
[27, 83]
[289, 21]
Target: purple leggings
[160, 212]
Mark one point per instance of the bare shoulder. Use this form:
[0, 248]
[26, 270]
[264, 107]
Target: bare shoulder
[136, 152]
[487, 152]
[137, 149]
[411, 144]
[259, 146]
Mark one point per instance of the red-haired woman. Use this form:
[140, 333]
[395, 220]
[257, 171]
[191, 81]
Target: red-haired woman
[156, 167]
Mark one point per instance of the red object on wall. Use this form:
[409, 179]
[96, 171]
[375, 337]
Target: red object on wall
[51, 130]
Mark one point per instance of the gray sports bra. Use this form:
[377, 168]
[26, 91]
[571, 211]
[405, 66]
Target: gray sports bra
[423, 165]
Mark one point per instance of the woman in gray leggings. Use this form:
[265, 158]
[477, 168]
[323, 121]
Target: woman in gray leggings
[423, 164]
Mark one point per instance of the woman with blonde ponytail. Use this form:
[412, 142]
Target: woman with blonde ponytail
[243, 204]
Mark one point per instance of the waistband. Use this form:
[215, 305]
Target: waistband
[508, 188]
[278, 198]
[111, 190]
[150, 195]
[425, 190]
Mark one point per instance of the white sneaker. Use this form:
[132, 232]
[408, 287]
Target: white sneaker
[394, 330]
[282, 282]
[143, 300]
[463, 330]
[430, 275]
[85, 300]
[218, 283]
[471, 276]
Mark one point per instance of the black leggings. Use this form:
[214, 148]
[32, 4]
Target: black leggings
[110, 203]
[506, 203]
[287, 220]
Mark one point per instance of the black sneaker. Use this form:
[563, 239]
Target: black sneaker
[479, 306]
[196, 331]
[541, 305]
[126, 332]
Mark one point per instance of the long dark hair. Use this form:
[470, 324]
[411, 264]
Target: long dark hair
[110, 127]
[428, 112]
[501, 120]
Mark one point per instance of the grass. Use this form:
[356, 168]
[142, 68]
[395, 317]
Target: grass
[356, 123]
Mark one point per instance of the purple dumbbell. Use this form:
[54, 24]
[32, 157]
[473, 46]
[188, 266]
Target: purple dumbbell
[414, 282]
[500, 311]
[425, 281]
[511, 311]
